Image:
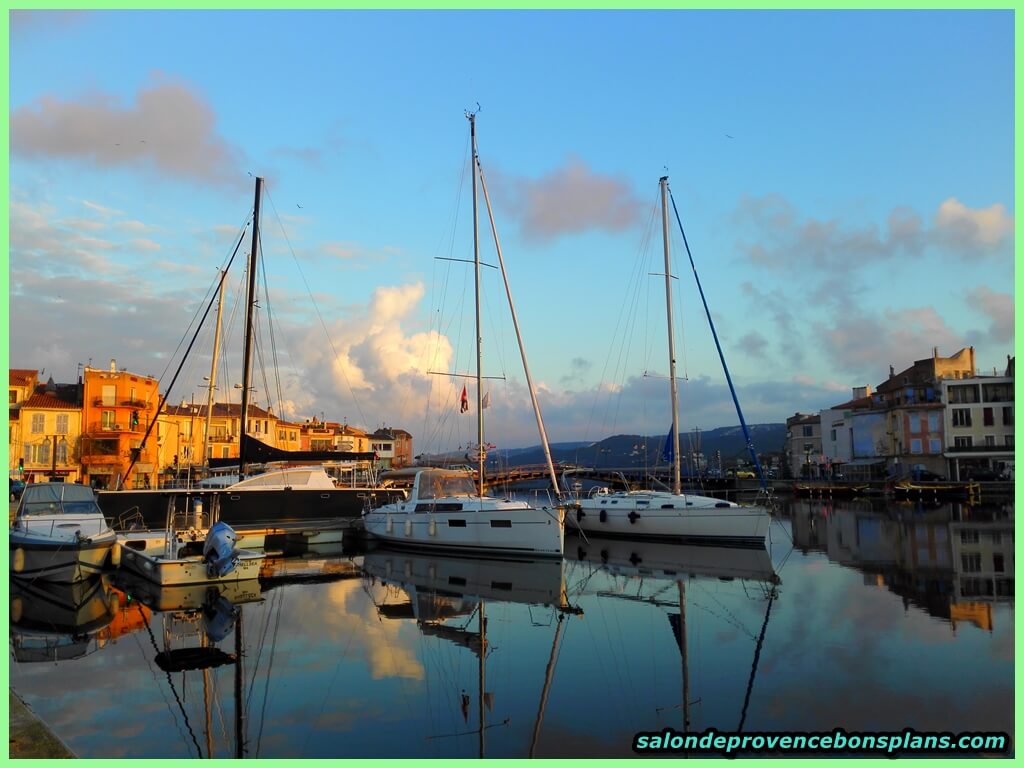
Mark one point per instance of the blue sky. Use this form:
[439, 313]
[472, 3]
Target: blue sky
[845, 180]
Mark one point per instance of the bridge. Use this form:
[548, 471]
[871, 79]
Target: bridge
[620, 478]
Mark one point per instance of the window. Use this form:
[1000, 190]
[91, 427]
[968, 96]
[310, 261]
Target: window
[969, 536]
[964, 394]
[224, 452]
[1009, 440]
[971, 562]
[961, 417]
[988, 416]
[109, 394]
[933, 421]
[934, 445]
[915, 421]
[43, 453]
[1007, 414]
[107, 420]
[12, 396]
[990, 441]
[915, 445]
[963, 442]
[997, 563]
[996, 537]
[62, 452]
[833, 436]
[997, 393]
[38, 423]
[808, 431]
[62, 423]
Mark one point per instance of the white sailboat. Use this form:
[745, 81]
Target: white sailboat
[671, 514]
[444, 509]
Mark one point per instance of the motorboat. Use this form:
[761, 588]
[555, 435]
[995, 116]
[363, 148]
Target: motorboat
[59, 534]
[444, 509]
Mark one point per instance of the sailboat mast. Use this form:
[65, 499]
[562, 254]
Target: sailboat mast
[676, 474]
[250, 309]
[479, 339]
[483, 657]
[213, 373]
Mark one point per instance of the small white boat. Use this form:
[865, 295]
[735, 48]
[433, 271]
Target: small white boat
[59, 534]
[664, 515]
[445, 510]
[177, 558]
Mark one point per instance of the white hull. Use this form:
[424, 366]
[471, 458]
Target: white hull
[508, 527]
[657, 515]
[186, 570]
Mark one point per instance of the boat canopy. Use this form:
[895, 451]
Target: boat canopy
[443, 484]
[57, 498]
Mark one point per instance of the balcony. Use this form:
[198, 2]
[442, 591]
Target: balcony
[116, 427]
[222, 438]
[958, 450]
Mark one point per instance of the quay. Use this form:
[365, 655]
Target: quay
[29, 736]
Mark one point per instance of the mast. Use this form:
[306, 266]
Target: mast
[213, 372]
[519, 338]
[250, 308]
[676, 479]
[471, 116]
[483, 656]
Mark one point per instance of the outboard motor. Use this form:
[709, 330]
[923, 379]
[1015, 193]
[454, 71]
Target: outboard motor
[218, 617]
[219, 551]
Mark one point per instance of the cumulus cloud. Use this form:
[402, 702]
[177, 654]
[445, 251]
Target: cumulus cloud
[753, 344]
[778, 237]
[999, 309]
[168, 127]
[569, 200]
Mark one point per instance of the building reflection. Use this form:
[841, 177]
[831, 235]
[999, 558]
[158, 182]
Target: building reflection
[952, 560]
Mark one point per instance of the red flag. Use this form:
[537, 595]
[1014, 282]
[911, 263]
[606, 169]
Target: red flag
[465, 400]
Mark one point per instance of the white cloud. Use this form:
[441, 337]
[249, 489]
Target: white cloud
[969, 228]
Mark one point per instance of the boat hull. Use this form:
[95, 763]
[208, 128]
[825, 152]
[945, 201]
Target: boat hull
[37, 557]
[643, 517]
[245, 511]
[190, 571]
[518, 531]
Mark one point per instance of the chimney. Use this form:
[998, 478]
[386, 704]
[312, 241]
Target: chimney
[892, 371]
[935, 353]
[113, 365]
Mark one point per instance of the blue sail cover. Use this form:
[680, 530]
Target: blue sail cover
[668, 453]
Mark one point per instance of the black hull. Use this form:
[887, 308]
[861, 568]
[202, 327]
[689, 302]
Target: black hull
[243, 510]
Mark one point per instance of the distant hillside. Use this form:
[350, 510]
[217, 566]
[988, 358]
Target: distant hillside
[639, 451]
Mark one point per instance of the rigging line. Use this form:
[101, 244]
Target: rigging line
[273, 344]
[721, 354]
[753, 666]
[163, 399]
[316, 310]
[270, 668]
[170, 682]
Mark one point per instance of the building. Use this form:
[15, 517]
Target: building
[50, 427]
[118, 408]
[21, 385]
[978, 424]
[803, 446]
[393, 448]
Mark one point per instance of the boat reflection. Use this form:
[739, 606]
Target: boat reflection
[59, 622]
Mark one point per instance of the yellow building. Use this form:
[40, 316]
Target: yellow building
[22, 384]
[50, 426]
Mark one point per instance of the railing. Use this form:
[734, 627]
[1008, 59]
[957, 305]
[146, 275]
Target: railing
[120, 426]
[978, 449]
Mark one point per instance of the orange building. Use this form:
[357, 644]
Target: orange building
[117, 409]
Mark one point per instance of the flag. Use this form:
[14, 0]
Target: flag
[465, 401]
[487, 400]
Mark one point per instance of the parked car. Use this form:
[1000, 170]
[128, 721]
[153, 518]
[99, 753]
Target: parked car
[745, 474]
[16, 488]
[983, 474]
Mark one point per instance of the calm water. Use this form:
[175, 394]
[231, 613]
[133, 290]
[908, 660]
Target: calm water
[861, 616]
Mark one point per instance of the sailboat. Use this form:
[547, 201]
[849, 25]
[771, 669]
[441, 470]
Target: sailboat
[268, 508]
[671, 514]
[445, 508]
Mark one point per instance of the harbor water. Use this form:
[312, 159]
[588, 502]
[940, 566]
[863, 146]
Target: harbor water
[862, 614]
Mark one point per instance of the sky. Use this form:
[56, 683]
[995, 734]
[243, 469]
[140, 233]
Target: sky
[844, 180]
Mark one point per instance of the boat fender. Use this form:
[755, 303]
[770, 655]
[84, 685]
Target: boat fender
[580, 514]
[604, 555]
[433, 527]
[633, 517]
[18, 561]
[389, 525]
[580, 553]
[115, 554]
[604, 516]
[408, 527]
[635, 559]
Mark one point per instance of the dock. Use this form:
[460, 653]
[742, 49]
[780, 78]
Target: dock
[30, 737]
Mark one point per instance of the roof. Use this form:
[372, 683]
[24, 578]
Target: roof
[220, 410]
[858, 402]
[21, 377]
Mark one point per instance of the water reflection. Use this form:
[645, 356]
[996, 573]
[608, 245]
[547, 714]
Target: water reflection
[860, 614]
[951, 560]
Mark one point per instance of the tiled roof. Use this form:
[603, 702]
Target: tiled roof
[220, 410]
[849, 405]
[21, 377]
[49, 400]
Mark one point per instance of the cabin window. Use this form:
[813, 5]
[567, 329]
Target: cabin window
[456, 581]
[501, 523]
[668, 506]
[456, 523]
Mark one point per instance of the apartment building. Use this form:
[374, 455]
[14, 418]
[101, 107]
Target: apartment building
[979, 425]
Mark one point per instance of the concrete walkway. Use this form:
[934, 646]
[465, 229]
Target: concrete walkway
[29, 737]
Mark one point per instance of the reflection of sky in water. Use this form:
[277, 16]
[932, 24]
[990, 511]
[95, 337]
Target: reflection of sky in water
[327, 676]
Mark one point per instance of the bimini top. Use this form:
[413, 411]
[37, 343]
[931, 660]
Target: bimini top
[444, 484]
[58, 499]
